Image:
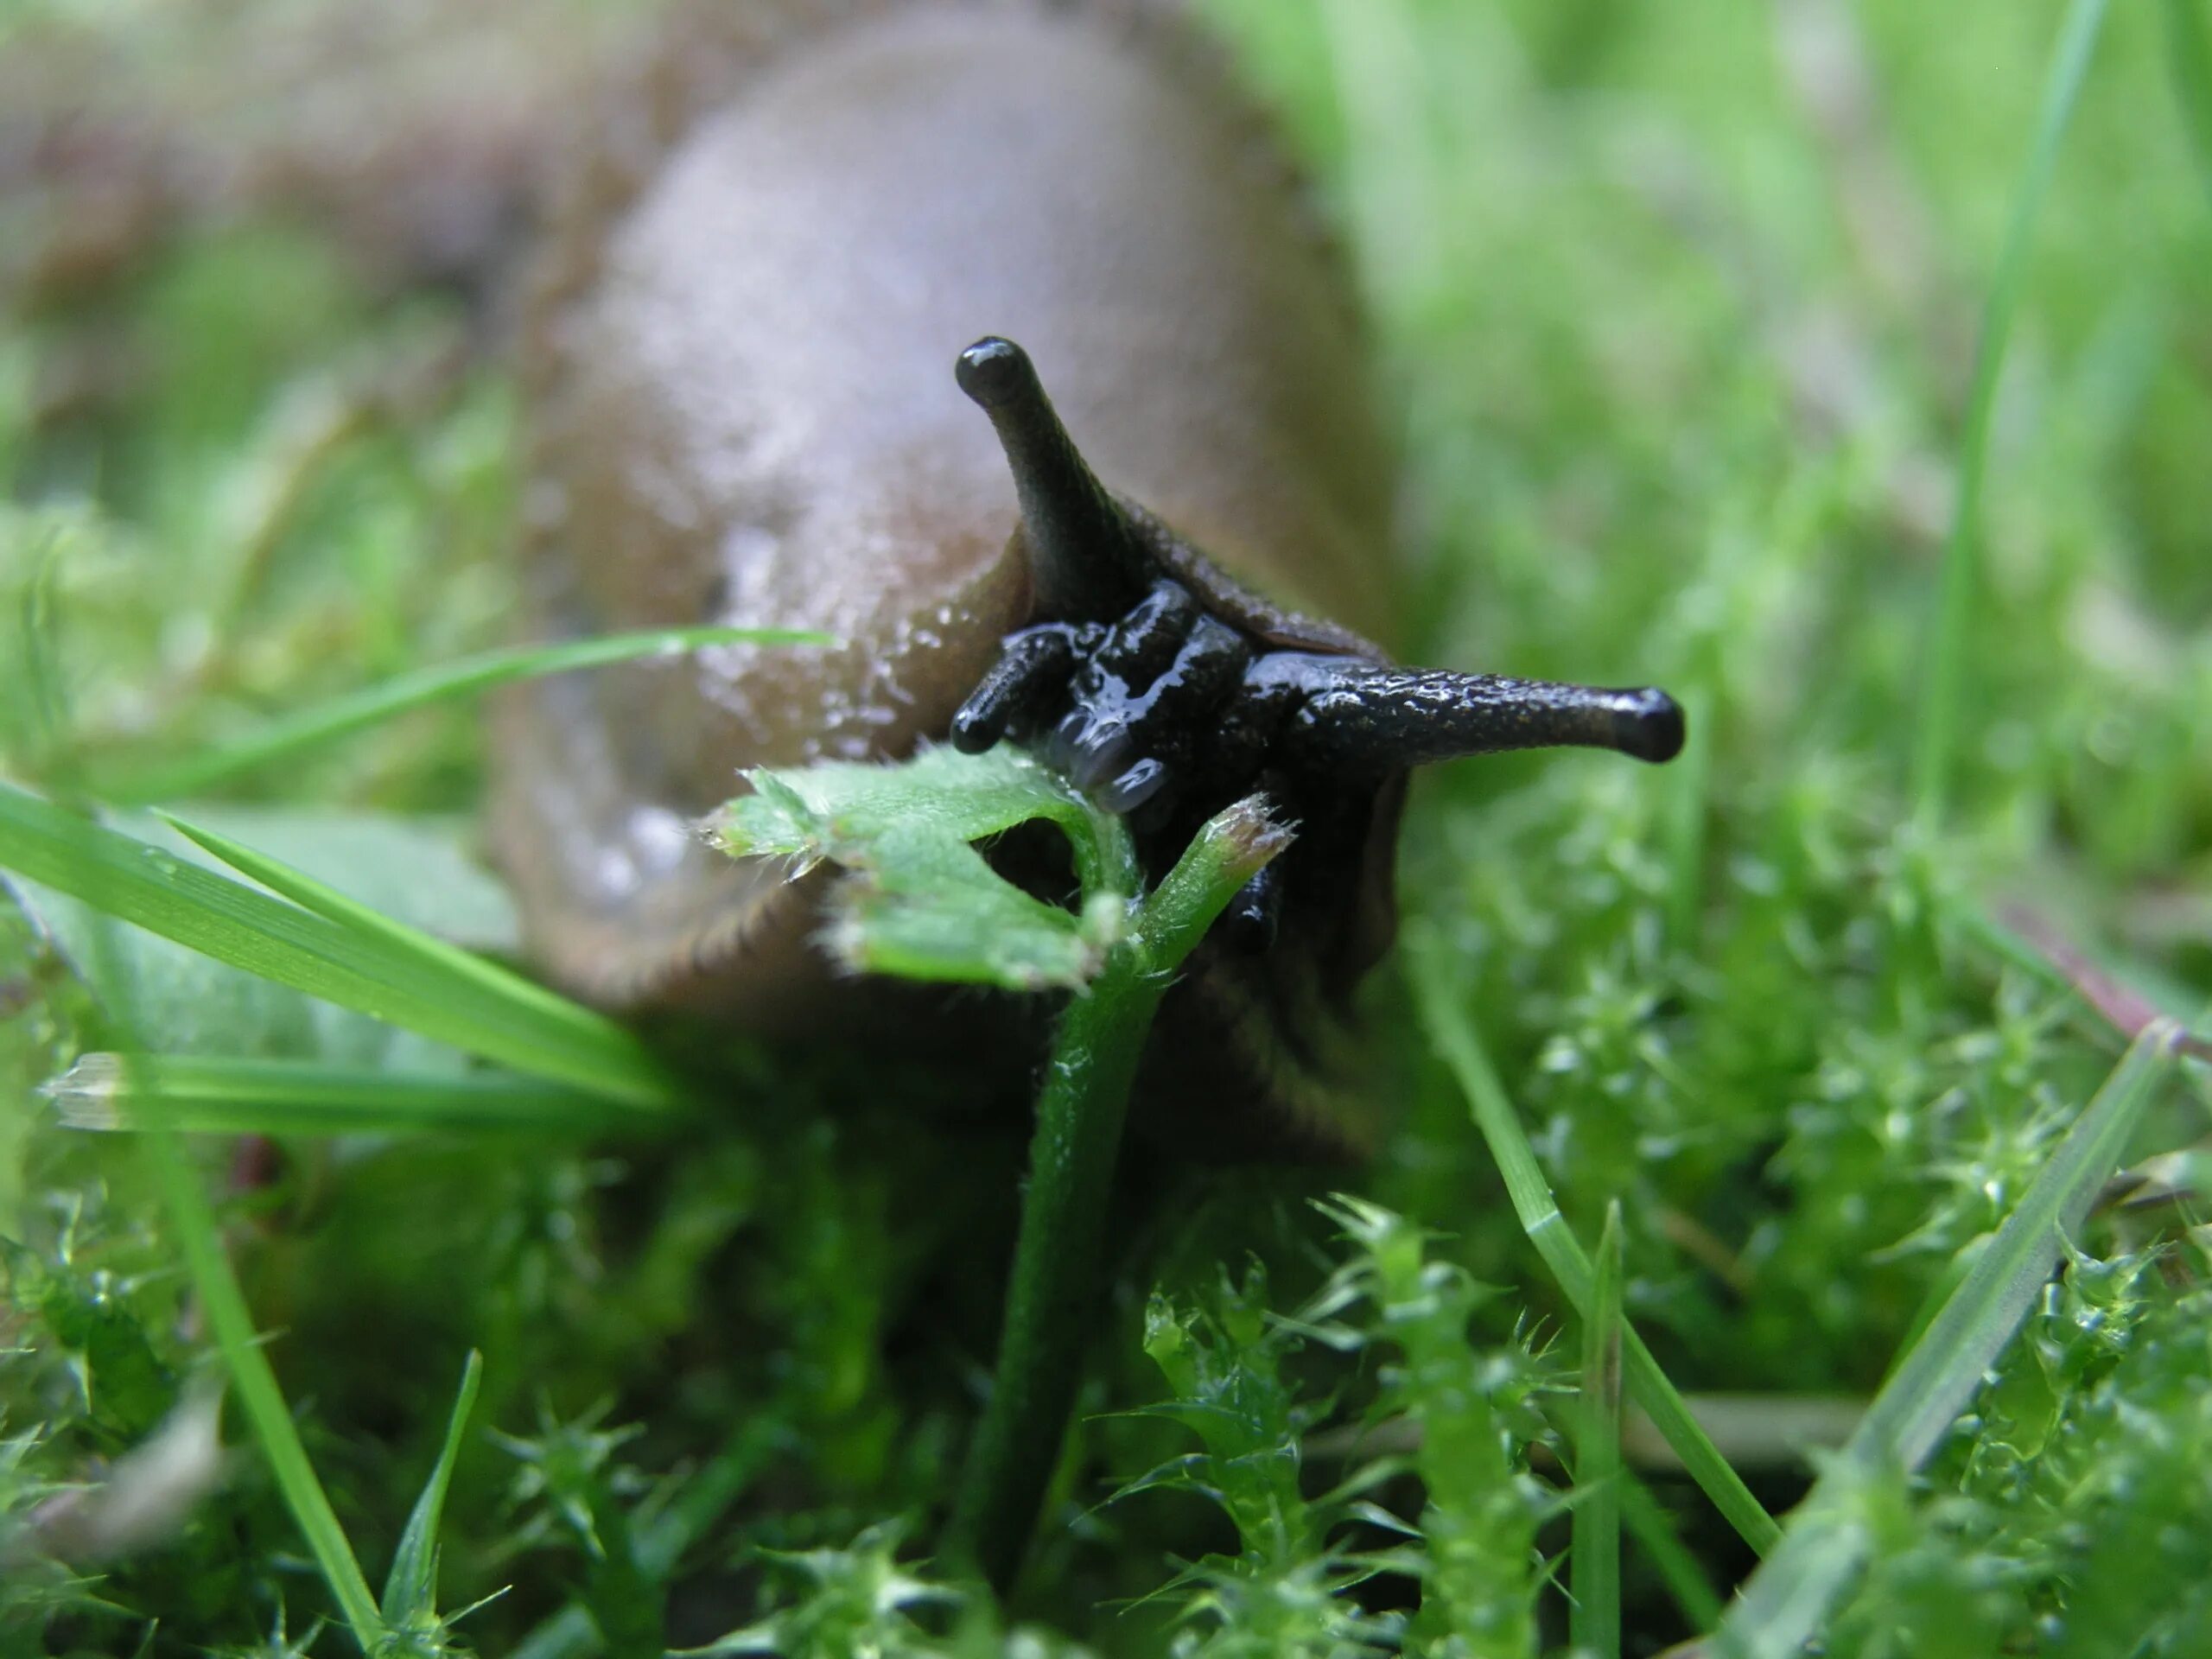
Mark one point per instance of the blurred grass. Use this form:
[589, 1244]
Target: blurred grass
[1677, 314]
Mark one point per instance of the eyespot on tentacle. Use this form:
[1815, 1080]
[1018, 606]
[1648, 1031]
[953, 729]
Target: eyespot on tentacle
[1653, 727]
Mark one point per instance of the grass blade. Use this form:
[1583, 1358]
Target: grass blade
[1689, 796]
[411, 1591]
[1595, 1551]
[1455, 1042]
[376, 966]
[403, 941]
[2189, 56]
[1940, 711]
[220, 1094]
[1785, 1600]
[232, 1325]
[2034, 945]
[1936, 1381]
[342, 716]
[1682, 1573]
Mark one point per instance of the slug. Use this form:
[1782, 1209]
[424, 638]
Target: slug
[751, 405]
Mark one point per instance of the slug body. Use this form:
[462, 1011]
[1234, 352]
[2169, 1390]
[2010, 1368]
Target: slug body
[739, 380]
[739, 371]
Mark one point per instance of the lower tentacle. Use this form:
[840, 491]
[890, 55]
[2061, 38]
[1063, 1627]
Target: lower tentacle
[1032, 672]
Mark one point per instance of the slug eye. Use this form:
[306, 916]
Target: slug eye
[995, 372]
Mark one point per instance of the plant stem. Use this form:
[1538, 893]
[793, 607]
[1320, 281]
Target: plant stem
[1053, 1294]
[1053, 1290]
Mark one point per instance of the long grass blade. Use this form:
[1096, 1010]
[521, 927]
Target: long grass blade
[2190, 54]
[1786, 1600]
[393, 973]
[1679, 1570]
[232, 1325]
[342, 716]
[2030, 944]
[1939, 714]
[1594, 1624]
[1454, 1040]
[1688, 801]
[407, 943]
[218, 1094]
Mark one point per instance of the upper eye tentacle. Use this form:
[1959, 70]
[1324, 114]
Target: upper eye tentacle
[1085, 557]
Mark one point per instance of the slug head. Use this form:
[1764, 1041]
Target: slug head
[1167, 692]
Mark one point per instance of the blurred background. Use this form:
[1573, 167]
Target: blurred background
[1682, 316]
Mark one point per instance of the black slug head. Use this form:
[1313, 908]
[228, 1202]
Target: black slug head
[1167, 692]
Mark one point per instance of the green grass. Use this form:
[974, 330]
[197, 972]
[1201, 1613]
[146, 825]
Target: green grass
[191, 1223]
[1842, 368]
[328, 946]
[1785, 1604]
[1935, 757]
[1594, 1622]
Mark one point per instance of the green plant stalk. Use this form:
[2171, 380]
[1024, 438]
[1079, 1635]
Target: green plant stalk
[199, 1238]
[410, 1589]
[1595, 1621]
[1537, 1208]
[1938, 728]
[263, 1401]
[1051, 1296]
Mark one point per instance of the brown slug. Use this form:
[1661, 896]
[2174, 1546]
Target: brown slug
[741, 379]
